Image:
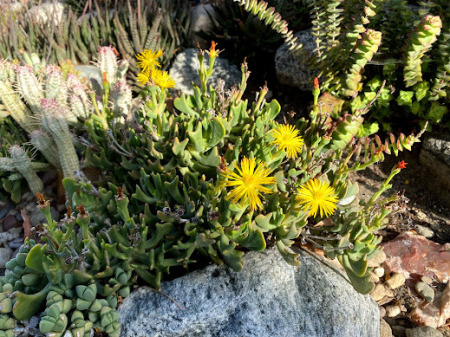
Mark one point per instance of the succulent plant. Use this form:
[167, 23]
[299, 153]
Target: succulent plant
[183, 179]
[49, 110]
[130, 28]
[357, 49]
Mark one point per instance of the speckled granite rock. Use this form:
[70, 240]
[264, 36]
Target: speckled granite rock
[268, 298]
[289, 69]
[185, 68]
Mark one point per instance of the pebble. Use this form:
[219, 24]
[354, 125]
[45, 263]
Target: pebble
[395, 281]
[379, 292]
[5, 256]
[3, 212]
[374, 277]
[399, 331]
[379, 271]
[9, 222]
[377, 260]
[385, 329]
[393, 311]
[16, 243]
[426, 279]
[425, 291]
[423, 331]
[424, 231]
[382, 311]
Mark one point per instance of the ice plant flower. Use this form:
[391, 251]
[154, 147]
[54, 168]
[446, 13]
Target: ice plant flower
[162, 79]
[143, 77]
[248, 183]
[317, 196]
[401, 165]
[212, 51]
[288, 140]
[147, 60]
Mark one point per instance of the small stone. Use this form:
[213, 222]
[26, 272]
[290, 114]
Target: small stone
[424, 231]
[16, 243]
[426, 279]
[15, 232]
[379, 271]
[385, 329]
[9, 222]
[399, 331]
[379, 292]
[3, 212]
[423, 331]
[374, 277]
[421, 215]
[393, 311]
[5, 256]
[395, 281]
[29, 196]
[19, 217]
[377, 260]
[425, 291]
[382, 311]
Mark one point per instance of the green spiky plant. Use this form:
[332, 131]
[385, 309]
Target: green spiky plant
[357, 49]
[129, 28]
[168, 198]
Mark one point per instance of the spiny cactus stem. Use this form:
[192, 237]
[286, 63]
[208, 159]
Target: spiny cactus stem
[23, 165]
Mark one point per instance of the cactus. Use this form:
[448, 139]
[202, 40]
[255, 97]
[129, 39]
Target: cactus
[49, 112]
[129, 28]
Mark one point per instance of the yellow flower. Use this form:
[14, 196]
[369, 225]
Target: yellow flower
[317, 196]
[143, 77]
[248, 183]
[147, 59]
[162, 79]
[288, 140]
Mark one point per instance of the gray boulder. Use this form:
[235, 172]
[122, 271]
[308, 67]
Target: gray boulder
[267, 298]
[185, 68]
[289, 68]
[435, 156]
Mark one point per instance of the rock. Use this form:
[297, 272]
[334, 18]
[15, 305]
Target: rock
[377, 260]
[3, 212]
[393, 310]
[385, 329]
[185, 68]
[395, 281]
[48, 12]
[426, 279]
[424, 231]
[267, 298]
[5, 256]
[8, 236]
[374, 278]
[9, 222]
[289, 69]
[379, 292]
[425, 291]
[398, 330]
[435, 156]
[37, 218]
[379, 271]
[423, 331]
[201, 22]
[413, 254]
[16, 243]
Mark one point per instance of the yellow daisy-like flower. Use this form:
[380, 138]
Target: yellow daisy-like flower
[317, 196]
[162, 79]
[248, 183]
[147, 59]
[288, 140]
[143, 77]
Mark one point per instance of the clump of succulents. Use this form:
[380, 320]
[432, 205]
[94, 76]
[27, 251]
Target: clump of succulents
[357, 50]
[49, 105]
[204, 176]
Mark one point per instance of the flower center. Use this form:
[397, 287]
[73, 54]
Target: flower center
[249, 180]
